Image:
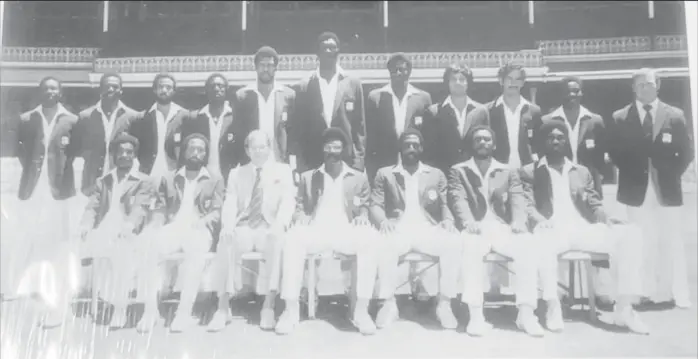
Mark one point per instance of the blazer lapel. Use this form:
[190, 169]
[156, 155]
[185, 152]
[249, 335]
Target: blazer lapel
[400, 193]
[412, 103]
[583, 126]
[659, 121]
[317, 187]
[109, 189]
[338, 95]
[131, 181]
[248, 184]
[543, 190]
[280, 117]
[467, 123]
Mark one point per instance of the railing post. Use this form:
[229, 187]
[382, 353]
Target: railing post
[386, 17]
[244, 27]
[651, 25]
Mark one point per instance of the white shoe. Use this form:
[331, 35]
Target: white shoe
[182, 322]
[220, 320]
[478, 327]
[388, 314]
[445, 315]
[553, 318]
[630, 319]
[529, 324]
[267, 319]
[287, 322]
[682, 303]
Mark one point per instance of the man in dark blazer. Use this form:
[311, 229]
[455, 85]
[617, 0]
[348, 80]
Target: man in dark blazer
[514, 119]
[265, 106]
[97, 126]
[328, 97]
[566, 214]
[650, 143]
[447, 123]
[157, 126]
[390, 111]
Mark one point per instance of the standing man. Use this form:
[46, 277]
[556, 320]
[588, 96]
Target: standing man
[265, 106]
[215, 122]
[514, 119]
[185, 219]
[408, 204]
[156, 127]
[259, 205]
[650, 143]
[331, 215]
[45, 189]
[390, 111]
[97, 127]
[329, 97]
[448, 123]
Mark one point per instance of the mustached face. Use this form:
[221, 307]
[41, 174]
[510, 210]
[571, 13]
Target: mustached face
[164, 90]
[328, 52]
[266, 70]
[411, 149]
[555, 142]
[216, 90]
[51, 92]
[195, 153]
[125, 153]
[111, 89]
[333, 151]
[483, 143]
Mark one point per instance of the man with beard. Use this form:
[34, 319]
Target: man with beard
[488, 202]
[97, 127]
[265, 106]
[331, 216]
[327, 98]
[650, 142]
[391, 110]
[215, 122]
[567, 214]
[514, 120]
[156, 127]
[116, 213]
[258, 207]
[185, 219]
[408, 204]
[45, 189]
[447, 123]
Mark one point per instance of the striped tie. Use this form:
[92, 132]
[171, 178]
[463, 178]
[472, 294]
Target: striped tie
[255, 209]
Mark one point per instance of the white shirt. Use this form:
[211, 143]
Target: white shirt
[187, 209]
[564, 211]
[513, 120]
[215, 125]
[642, 113]
[573, 131]
[108, 122]
[413, 211]
[43, 188]
[400, 106]
[266, 109]
[330, 209]
[163, 164]
[115, 215]
[328, 91]
[460, 115]
[485, 180]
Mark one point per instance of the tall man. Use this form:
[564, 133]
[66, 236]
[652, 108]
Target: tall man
[259, 205]
[567, 214]
[115, 214]
[390, 111]
[488, 202]
[650, 143]
[408, 204]
[156, 127]
[447, 123]
[265, 106]
[97, 127]
[331, 215]
[514, 119]
[329, 97]
[46, 185]
[186, 219]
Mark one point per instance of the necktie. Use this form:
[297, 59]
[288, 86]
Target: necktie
[255, 209]
[647, 122]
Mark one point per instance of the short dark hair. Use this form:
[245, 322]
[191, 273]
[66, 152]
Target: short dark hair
[458, 68]
[567, 79]
[411, 132]
[470, 136]
[333, 134]
[105, 77]
[121, 139]
[212, 77]
[548, 126]
[161, 76]
[264, 52]
[46, 79]
[326, 36]
[398, 57]
[509, 68]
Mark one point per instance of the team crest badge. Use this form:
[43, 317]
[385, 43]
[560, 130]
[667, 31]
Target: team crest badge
[418, 121]
[207, 203]
[349, 106]
[177, 137]
[432, 195]
[153, 203]
[590, 143]
[530, 133]
[284, 117]
[230, 137]
[65, 140]
[666, 137]
[357, 201]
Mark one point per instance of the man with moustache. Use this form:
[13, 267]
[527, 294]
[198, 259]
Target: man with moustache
[115, 214]
[186, 217]
[156, 127]
[215, 122]
[488, 203]
[447, 123]
[514, 119]
[259, 205]
[650, 142]
[391, 110]
[408, 204]
[331, 216]
[265, 106]
[97, 127]
[329, 97]
[45, 191]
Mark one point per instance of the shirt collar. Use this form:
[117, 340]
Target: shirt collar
[494, 165]
[339, 71]
[566, 167]
[500, 101]
[174, 108]
[133, 172]
[345, 170]
[119, 106]
[399, 168]
[560, 112]
[654, 104]
[226, 110]
[449, 102]
[203, 173]
[411, 90]
[59, 111]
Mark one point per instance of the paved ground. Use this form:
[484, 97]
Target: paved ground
[416, 335]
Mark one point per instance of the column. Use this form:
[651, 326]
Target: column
[243, 26]
[386, 18]
[651, 24]
[104, 38]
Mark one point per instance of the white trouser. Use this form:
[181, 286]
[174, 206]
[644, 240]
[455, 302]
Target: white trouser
[245, 240]
[623, 244]
[424, 238]
[523, 249]
[314, 239]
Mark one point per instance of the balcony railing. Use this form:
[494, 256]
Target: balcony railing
[49, 54]
[612, 45]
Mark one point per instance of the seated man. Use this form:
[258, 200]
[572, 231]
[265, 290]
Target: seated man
[115, 214]
[408, 204]
[567, 214]
[331, 215]
[490, 208]
[259, 203]
[185, 220]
